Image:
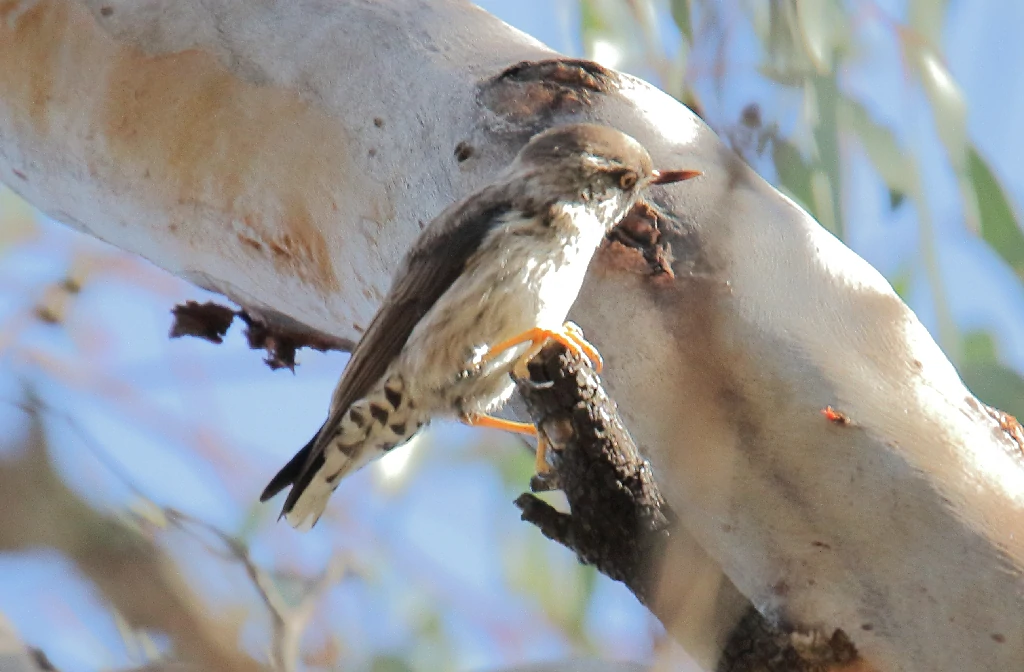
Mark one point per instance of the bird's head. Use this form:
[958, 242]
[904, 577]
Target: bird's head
[595, 166]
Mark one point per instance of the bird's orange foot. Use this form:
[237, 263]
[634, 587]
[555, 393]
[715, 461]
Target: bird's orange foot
[541, 460]
[585, 347]
[570, 336]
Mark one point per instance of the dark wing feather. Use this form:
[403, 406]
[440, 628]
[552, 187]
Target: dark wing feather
[290, 472]
[430, 268]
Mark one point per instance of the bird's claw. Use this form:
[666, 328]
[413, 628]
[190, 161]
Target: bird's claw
[545, 482]
[570, 336]
[535, 385]
[584, 348]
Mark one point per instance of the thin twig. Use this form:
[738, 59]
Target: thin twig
[288, 622]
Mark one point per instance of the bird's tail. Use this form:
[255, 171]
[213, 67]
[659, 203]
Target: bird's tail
[368, 429]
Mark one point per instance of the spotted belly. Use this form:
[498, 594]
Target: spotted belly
[443, 359]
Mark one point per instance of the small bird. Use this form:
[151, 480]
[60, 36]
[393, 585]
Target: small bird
[489, 281]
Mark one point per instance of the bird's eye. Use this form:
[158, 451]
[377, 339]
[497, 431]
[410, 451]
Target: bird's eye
[627, 179]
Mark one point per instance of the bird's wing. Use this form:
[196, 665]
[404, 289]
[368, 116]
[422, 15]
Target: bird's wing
[429, 269]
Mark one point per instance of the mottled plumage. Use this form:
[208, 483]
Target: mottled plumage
[506, 259]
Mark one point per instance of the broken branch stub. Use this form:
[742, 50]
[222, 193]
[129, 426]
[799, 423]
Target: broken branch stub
[620, 524]
[768, 320]
[279, 337]
[620, 521]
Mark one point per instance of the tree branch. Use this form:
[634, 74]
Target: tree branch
[15, 656]
[621, 524]
[284, 154]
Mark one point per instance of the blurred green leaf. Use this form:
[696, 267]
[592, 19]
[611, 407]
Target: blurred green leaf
[894, 164]
[794, 173]
[926, 18]
[255, 515]
[800, 39]
[824, 204]
[815, 26]
[824, 118]
[149, 511]
[610, 33]
[431, 626]
[389, 664]
[978, 347]
[949, 108]
[593, 27]
[432, 650]
[782, 30]
[896, 199]
[999, 224]
[760, 19]
[790, 75]
[588, 584]
[681, 15]
[561, 586]
[785, 58]
[948, 104]
[516, 468]
[526, 568]
[591, 19]
[901, 283]
[688, 97]
[995, 384]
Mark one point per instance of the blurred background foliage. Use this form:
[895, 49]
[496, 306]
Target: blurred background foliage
[132, 464]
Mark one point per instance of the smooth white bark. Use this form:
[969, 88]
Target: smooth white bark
[284, 153]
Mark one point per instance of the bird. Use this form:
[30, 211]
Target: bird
[489, 281]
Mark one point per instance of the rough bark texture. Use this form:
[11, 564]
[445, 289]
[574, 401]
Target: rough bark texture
[756, 646]
[285, 154]
[620, 523]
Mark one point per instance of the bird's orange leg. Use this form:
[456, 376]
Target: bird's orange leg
[586, 348]
[541, 461]
[570, 336]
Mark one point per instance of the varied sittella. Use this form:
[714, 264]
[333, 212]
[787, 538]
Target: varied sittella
[489, 281]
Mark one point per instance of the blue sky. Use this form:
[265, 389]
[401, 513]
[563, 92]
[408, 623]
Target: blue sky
[446, 540]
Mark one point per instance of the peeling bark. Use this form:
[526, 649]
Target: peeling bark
[287, 154]
[279, 336]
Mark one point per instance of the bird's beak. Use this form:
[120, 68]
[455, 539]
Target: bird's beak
[670, 176]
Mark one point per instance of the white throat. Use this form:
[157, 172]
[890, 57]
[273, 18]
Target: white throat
[601, 214]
